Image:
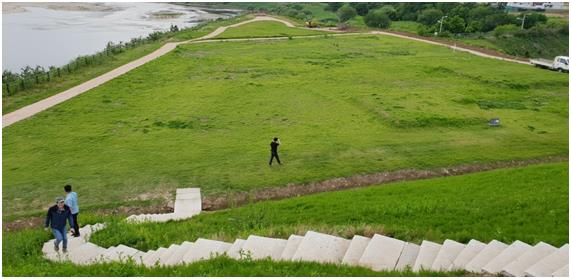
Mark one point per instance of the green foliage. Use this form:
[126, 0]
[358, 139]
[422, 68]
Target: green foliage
[389, 11]
[430, 16]
[265, 29]
[401, 115]
[378, 19]
[505, 30]
[533, 19]
[346, 13]
[455, 25]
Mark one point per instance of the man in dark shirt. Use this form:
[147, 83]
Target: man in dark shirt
[274, 145]
[57, 217]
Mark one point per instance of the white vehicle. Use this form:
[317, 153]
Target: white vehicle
[560, 63]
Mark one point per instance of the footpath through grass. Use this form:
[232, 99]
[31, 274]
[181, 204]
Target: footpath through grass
[266, 29]
[204, 114]
[528, 204]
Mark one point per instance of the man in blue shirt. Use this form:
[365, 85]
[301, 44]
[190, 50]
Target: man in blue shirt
[71, 201]
[57, 217]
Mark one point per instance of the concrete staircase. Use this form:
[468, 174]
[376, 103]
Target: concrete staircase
[377, 253]
[187, 204]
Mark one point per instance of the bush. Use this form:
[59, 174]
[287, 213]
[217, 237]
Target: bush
[506, 29]
[533, 19]
[455, 25]
[430, 16]
[389, 11]
[377, 19]
[346, 13]
[474, 26]
[491, 21]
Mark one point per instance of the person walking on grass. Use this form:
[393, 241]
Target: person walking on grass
[71, 201]
[274, 147]
[57, 217]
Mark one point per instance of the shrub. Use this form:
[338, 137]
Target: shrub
[430, 16]
[455, 25]
[506, 29]
[389, 11]
[377, 19]
[533, 19]
[346, 13]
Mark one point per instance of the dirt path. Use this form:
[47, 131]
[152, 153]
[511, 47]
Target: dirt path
[31, 110]
[217, 202]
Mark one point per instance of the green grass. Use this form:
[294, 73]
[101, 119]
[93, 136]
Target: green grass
[405, 26]
[42, 91]
[528, 204]
[203, 116]
[265, 29]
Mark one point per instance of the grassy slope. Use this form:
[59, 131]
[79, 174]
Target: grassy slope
[528, 204]
[265, 29]
[42, 91]
[203, 116]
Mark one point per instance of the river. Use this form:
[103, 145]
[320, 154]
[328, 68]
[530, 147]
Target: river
[46, 36]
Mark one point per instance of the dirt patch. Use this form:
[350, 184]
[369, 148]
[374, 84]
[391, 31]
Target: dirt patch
[217, 202]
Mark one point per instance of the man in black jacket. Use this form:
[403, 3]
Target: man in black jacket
[274, 148]
[57, 216]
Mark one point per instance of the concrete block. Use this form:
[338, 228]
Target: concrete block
[562, 272]
[48, 247]
[187, 190]
[188, 205]
[148, 256]
[447, 254]
[167, 254]
[489, 252]
[85, 231]
[549, 264]
[85, 254]
[426, 255]
[259, 247]
[467, 254]
[177, 255]
[322, 248]
[205, 249]
[153, 259]
[123, 253]
[355, 250]
[291, 246]
[97, 227]
[527, 259]
[510, 254]
[382, 253]
[408, 256]
[234, 251]
[107, 256]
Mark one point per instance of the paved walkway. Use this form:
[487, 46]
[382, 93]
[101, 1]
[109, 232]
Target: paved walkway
[31, 110]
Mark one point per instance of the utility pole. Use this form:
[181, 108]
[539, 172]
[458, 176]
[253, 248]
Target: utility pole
[522, 21]
[441, 21]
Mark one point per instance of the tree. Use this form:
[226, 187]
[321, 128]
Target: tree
[474, 26]
[480, 12]
[377, 19]
[430, 16]
[533, 19]
[493, 20]
[362, 8]
[334, 6]
[346, 13]
[455, 25]
[389, 11]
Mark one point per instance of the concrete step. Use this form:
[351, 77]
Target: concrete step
[467, 254]
[512, 252]
[321, 248]
[97, 227]
[153, 259]
[205, 249]
[167, 254]
[291, 246]
[85, 254]
[85, 231]
[548, 265]
[527, 259]
[562, 272]
[355, 250]
[489, 252]
[148, 256]
[107, 255]
[408, 256]
[234, 251]
[177, 255]
[188, 205]
[382, 253]
[180, 191]
[123, 253]
[426, 255]
[448, 253]
[57, 256]
[259, 247]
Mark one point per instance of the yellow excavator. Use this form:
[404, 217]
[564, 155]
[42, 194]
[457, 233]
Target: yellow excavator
[310, 24]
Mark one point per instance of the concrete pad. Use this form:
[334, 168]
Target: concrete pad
[489, 252]
[321, 248]
[408, 256]
[426, 255]
[205, 249]
[448, 252]
[527, 259]
[234, 251]
[355, 250]
[177, 255]
[259, 247]
[382, 253]
[187, 190]
[548, 265]
[516, 249]
[153, 259]
[188, 205]
[467, 254]
[562, 272]
[86, 253]
[292, 244]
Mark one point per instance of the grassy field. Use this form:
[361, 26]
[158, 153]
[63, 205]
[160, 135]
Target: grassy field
[203, 116]
[265, 29]
[529, 204]
[42, 91]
